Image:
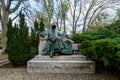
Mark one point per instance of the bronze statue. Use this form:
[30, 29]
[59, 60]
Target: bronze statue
[57, 43]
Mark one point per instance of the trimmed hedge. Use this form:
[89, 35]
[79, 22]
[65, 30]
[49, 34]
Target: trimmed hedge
[103, 44]
[107, 50]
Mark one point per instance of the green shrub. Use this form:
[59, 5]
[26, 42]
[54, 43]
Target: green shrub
[106, 33]
[18, 42]
[89, 52]
[0, 40]
[87, 48]
[116, 60]
[34, 38]
[103, 44]
[115, 26]
[86, 43]
[34, 41]
[76, 38]
[105, 49]
[101, 34]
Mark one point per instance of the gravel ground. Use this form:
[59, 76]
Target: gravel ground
[21, 74]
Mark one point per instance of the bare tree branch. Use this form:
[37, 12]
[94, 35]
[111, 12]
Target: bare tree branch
[2, 4]
[93, 13]
[71, 6]
[8, 4]
[86, 15]
[0, 14]
[96, 17]
[16, 7]
[80, 10]
[15, 17]
[101, 8]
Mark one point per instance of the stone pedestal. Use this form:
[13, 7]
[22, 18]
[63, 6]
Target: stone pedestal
[41, 46]
[61, 64]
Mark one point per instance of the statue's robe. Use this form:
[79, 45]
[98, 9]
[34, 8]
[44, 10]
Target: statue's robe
[56, 43]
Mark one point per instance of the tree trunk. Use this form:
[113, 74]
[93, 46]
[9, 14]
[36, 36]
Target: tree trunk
[4, 22]
[60, 24]
[4, 15]
[73, 25]
[64, 26]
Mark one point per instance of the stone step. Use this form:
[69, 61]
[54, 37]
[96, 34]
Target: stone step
[60, 66]
[62, 57]
[3, 62]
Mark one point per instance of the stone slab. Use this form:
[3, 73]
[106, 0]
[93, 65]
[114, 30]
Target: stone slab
[3, 62]
[62, 57]
[60, 65]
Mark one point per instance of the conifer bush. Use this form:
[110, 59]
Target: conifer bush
[103, 44]
[34, 38]
[18, 42]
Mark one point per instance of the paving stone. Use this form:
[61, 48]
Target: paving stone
[21, 74]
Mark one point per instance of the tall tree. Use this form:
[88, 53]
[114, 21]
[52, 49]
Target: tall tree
[5, 11]
[97, 12]
[85, 12]
[79, 15]
[75, 11]
[48, 9]
[42, 26]
[64, 10]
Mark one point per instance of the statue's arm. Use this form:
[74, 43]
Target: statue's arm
[44, 33]
[66, 38]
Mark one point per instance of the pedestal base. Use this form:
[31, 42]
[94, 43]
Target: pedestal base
[61, 64]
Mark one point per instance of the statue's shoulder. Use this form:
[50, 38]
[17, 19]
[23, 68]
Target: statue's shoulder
[60, 32]
[48, 31]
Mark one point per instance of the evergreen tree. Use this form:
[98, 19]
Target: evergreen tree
[34, 39]
[18, 42]
[23, 40]
[9, 36]
[36, 26]
[42, 28]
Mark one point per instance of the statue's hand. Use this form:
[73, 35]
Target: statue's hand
[64, 39]
[58, 37]
[69, 40]
[42, 35]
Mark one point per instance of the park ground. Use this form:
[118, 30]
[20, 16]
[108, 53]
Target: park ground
[9, 72]
[21, 74]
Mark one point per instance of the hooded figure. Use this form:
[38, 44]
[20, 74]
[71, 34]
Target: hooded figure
[56, 44]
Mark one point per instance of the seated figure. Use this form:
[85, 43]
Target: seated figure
[56, 43]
